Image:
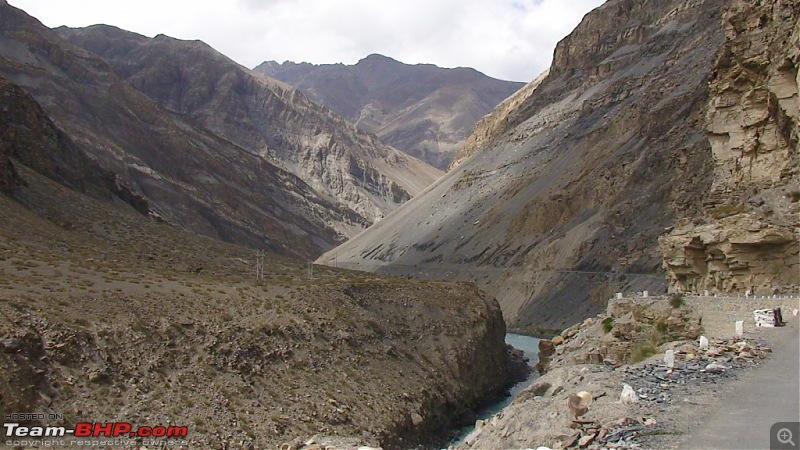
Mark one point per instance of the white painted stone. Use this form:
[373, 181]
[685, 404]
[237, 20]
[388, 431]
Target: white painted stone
[703, 342]
[628, 395]
[669, 358]
[739, 327]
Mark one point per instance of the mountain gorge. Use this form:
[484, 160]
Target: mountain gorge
[121, 301]
[563, 198]
[424, 110]
[294, 179]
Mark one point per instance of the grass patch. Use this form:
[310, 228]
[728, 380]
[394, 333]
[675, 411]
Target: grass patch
[608, 324]
[641, 351]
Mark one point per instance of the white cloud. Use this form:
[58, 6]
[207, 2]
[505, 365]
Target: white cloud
[509, 39]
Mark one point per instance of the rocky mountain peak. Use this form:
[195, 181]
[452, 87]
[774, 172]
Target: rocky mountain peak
[423, 110]
[377, 58]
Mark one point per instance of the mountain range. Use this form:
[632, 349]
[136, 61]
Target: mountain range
[421, 109]
[205, 143]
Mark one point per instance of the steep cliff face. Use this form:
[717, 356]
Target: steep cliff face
[747, 236]
[268, 118]
[423, 110]
[31, 138]
[562, 203]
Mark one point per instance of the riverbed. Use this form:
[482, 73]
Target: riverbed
[530, 346]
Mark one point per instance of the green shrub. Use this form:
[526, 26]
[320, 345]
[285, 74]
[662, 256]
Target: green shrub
[661, 326]
[676, 300]
[608, 324]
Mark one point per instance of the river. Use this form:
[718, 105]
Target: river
[529, 345]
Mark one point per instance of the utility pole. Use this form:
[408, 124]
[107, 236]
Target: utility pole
[311, 270]
[260, 255]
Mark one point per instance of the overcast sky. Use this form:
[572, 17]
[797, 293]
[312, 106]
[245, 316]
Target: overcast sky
[507, 39]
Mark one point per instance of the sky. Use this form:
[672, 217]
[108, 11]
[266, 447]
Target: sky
[506, 39]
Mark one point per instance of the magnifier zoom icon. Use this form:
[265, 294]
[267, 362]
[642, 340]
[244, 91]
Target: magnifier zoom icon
[785, 436]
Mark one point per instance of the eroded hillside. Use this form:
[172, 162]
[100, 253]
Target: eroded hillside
[563, 203]
[272, 120]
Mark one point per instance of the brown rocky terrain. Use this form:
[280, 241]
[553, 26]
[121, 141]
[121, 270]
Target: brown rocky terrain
[196, 173]
[267, 118]
[107, 315]
[111, 314]
[746, 238]
[565, 194]
[421, 109]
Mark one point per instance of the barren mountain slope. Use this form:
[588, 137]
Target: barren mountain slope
[188, 176]
[424, 110]
[746, 238]
[270, 119]
[563, 205]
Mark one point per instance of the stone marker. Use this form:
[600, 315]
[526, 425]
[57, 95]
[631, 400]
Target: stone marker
[619, 295]
[669, 359]
[739, 327]
[703, 342]
[645, 294]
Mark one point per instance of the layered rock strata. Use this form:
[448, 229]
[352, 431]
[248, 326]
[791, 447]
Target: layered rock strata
[746, 240]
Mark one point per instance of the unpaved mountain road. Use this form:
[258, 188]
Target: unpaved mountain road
[762, 397]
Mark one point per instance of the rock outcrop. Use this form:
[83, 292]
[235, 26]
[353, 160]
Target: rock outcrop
[423, 110]
[562, 201]
[29, 136]
[746, 239]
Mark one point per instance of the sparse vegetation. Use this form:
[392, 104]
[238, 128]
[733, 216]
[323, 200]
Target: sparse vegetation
[641, 351]
[676, 300]
[608, 324]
